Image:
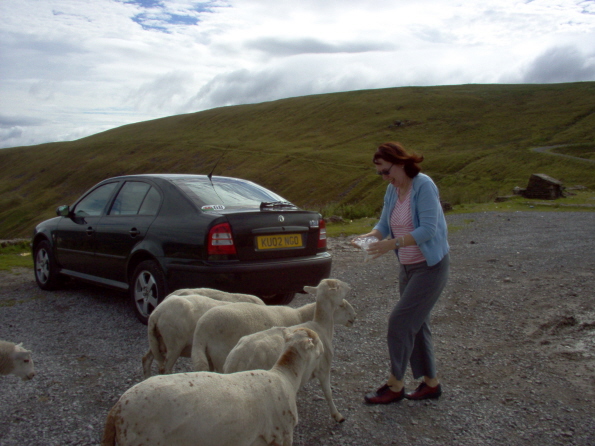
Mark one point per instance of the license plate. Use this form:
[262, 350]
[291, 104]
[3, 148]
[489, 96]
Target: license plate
[282, 241]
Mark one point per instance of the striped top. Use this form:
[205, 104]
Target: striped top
[401, 224]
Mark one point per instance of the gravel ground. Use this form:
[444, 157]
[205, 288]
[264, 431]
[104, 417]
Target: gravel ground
[514, 337]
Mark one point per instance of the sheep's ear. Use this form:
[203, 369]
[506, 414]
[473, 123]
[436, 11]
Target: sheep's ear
[310, 289]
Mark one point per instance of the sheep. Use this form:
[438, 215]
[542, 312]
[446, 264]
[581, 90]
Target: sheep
[16, 360]
[218, 295]
[262, 349]
[220, 328]
[171, 325]
[253, 408]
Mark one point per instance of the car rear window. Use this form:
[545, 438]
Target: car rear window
[136, 198]
[229, 192]
[130, 198]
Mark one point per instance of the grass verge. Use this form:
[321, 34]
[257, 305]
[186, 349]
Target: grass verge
[15, 254]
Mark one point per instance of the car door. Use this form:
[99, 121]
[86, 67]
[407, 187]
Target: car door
[75, 235]
[123, 227]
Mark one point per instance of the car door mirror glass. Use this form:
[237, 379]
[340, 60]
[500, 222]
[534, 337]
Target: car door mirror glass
[63, 211]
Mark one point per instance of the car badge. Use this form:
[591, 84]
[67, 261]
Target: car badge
[314, 223]
[213, 207]
[281, 219]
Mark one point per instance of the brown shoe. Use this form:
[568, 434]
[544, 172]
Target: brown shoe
[425, 392]
[384, 396]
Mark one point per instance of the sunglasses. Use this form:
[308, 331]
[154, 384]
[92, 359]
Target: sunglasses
[385, 171]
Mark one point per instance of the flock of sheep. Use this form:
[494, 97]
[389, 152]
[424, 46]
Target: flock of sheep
[250, 360]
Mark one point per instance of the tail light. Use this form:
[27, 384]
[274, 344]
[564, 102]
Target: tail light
[322, 234]
[220, 240]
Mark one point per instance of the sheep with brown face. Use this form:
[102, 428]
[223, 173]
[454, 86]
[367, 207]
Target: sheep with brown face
[251, 408]
[262, 349]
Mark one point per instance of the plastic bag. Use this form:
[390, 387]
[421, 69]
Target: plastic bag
[363, 243]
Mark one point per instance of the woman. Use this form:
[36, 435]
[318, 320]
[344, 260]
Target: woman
[413, 224]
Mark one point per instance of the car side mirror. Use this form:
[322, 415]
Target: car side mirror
[63, 211]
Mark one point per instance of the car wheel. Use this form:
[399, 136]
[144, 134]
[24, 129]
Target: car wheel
[279, 299]
[147, 289]
[46, 270]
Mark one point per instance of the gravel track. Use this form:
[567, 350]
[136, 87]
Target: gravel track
[514, 337]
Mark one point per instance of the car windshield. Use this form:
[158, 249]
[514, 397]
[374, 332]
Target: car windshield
[227, 192]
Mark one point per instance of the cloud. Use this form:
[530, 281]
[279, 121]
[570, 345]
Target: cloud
[13, 127]
[561, 64]
[19, 121]
[301, 75]
[77, 68]
[285, 47]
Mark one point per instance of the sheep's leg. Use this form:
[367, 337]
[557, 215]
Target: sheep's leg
[147, 363]
[110, 430]
[200, 361]
[325, 383]
[288, 438]
[173, 353]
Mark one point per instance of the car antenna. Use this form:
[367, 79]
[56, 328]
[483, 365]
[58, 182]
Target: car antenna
[210, 175]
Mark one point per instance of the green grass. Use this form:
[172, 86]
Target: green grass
[316, 150]
[16, 255]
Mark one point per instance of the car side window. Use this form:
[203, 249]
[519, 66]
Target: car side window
[130, 198]
[94, 203]
[151, 203]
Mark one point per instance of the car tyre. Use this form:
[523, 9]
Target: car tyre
[46, 269]
[279, 299]
[147, 289]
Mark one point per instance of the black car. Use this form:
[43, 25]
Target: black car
[153, 234]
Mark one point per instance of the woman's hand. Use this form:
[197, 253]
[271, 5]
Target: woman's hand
[374, 233]
[380, 248]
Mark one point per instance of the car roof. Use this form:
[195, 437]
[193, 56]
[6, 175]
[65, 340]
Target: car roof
[169, 176]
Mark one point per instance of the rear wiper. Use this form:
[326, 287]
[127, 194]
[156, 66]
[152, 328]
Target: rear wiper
[276, 204]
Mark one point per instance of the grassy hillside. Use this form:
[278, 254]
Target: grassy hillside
[316, 150]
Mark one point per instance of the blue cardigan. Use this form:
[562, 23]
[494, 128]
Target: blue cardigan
[430, 231]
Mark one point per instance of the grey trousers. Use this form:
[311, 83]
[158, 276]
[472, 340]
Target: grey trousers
[409, 336]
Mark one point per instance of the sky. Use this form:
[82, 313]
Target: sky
[73, 68]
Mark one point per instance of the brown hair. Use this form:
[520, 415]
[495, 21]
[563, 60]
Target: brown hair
[394, 152]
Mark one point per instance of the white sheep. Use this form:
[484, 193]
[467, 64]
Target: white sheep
[254, 408]
[14, 359]
[262, 349]
[220, 328]
[218, 295]
[171, 325]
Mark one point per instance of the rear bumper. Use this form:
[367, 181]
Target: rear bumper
[259, 278]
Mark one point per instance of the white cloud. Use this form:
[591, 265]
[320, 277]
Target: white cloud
[70, 68]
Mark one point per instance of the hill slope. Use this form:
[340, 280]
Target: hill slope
[316, 150]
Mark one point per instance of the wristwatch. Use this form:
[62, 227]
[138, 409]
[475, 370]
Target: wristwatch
[397, 244]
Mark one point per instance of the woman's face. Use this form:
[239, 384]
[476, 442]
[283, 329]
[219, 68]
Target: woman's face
[393, 173]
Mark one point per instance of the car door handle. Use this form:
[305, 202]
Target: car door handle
[134, 232]
[90, 230]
